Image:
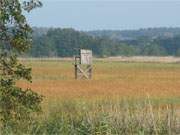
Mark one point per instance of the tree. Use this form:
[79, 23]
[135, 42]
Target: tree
[153, 49]
[16, 104]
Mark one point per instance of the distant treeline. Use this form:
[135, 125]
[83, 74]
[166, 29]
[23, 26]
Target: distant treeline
[57, 42]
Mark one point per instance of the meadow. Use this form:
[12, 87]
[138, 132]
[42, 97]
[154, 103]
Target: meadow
[121, 98]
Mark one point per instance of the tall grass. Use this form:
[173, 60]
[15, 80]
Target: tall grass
[104, 117]
[94, 107]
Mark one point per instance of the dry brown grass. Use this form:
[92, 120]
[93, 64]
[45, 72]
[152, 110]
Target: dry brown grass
[55, 79]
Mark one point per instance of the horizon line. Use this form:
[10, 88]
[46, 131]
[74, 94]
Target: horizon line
[135, 29]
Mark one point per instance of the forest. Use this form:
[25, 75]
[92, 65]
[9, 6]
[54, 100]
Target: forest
[65, 42]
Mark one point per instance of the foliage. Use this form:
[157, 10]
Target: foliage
[134, 34]
[59, 42]
[66, 42]
[16, 104]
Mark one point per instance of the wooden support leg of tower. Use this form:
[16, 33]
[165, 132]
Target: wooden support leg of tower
[80, 73]
[76, 71]
[89, 68]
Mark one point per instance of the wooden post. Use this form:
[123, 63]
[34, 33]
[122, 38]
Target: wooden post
[90, 71]
[76, 70]
[76, 63]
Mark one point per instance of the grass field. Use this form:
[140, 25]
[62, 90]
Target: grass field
[121, 98]
[55, 79]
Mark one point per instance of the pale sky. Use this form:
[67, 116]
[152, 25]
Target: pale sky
[106, 14]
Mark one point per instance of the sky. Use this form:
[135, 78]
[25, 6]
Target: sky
[106, 14]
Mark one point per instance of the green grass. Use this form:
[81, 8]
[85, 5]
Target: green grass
[77, 117]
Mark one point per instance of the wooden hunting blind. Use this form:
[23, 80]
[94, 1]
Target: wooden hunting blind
[83, 64]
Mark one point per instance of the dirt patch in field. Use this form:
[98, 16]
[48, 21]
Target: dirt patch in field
[143, 59]
[169, 59]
